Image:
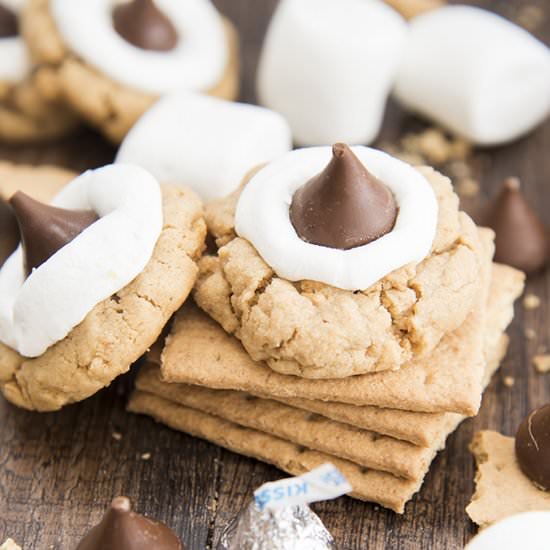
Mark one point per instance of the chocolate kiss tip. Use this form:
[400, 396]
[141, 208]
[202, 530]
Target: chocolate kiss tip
[123, 529]
[143, 25]
[340, 149]
[46, 229]
[512, 184]
[344, 206]
[121, 504]
[521, 237]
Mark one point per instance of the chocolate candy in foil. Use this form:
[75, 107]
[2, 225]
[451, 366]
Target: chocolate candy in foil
[294, 527]
[279, 517]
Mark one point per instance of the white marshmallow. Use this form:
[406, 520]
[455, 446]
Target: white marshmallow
[14, 5]
[262, 217]
[476, 74]
[38, 311]
[196, 63]
[15, 63]
[14, 59]
[205, 143]
[327, 66]
[530, 530]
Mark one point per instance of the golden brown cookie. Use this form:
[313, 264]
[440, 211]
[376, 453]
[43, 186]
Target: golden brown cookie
[314, 330]
[111, 107]
[120, 329]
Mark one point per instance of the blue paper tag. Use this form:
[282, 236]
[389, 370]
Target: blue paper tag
[324, 483]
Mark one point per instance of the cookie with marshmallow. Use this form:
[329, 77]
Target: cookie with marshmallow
[97, 276]
[26, 115]
[113, 59]
[206, 143]
[328, 67]
[476, 74]
[339, 261]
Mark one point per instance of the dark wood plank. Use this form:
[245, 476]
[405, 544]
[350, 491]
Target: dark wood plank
[58, 471]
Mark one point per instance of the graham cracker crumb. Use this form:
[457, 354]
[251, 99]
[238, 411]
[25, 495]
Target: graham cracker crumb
[435, 147]
[10, 544]
[542, 363]
[468, 187]
[459, 169]
[117, 436]
[530, 334]
[530, 301]
[413, 159]
[509, 381]
[145, 456]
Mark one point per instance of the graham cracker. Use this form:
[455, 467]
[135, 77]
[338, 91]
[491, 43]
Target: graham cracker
[198, 351]
[40, 182]
[316, 431]
[311, 430]
[502, 489]
[371, 485]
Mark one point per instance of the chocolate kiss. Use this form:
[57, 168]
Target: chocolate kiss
[45, 229]
[533, 447]
[8, 23]
[344, 206]
[143, 25]
[122, 529]
[9, 233]
[521, 238]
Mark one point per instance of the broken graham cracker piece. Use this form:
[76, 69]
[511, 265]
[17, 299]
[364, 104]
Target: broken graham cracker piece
[531, 301]
[435, 384]
[542, 363]
[502, 489]
[313, 431]
[371, 485]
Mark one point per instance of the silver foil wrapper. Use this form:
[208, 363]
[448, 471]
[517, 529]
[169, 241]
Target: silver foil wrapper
[291, 528]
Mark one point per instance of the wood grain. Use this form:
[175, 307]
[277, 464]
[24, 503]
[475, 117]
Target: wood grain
[58, 471]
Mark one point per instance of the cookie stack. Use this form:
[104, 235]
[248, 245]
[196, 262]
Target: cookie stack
[361, 356]
[105, 63]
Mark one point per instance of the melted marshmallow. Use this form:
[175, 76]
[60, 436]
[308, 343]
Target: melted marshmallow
[262, 217]
[475, 73]
[196, 63]
[15, 62]
[328, 65]
[42, 309]
[205, 143]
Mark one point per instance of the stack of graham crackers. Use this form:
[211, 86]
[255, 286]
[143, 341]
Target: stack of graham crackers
[381, 429]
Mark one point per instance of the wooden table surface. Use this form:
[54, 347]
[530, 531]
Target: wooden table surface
[59, 471]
